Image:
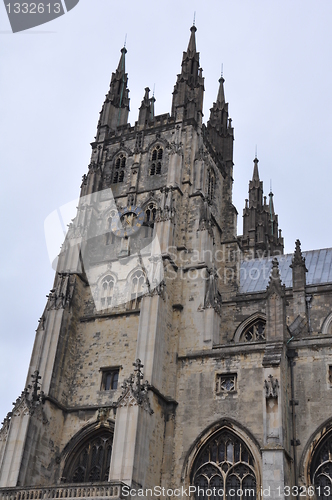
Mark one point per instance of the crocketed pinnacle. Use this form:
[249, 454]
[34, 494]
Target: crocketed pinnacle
[298, 258]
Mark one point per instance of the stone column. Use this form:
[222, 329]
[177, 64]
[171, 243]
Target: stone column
[275, 389]
[15, 443]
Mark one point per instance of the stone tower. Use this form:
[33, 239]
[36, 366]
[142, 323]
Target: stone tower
[163, 358]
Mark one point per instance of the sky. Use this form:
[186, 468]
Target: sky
[276, 63]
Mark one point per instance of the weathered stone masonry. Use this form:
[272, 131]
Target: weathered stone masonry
[171, 351]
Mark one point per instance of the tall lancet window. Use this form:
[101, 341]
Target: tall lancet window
[90, 461]
[321, 469]
[224, 463]
[138, 288]
[119, 169]
[106, 292]
[149, 220]
[156, 161]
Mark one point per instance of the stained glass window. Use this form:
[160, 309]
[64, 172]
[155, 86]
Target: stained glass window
[223, 464]
[91, 461]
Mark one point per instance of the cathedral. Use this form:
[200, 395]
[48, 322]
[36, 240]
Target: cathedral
[175, 357]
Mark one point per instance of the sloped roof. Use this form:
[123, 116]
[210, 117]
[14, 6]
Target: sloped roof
[254, 274]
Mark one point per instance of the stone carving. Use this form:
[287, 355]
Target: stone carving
[135, 393]
[167, 211]
[298, 259]
[84, 180]
[271, 387]
[61, 296]
[275, 285]
[102, 414]
[29, 402]
[5, 427]
[212, 296]
[205, 220]
[175, 148]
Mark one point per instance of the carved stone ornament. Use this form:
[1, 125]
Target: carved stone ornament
[135, 393]
[275, 285]
[103, 414]
[29, 402]
[205, 220]
[212, 297]
[5, 427]
[298, 259]
[167, 211]
[175, 148]
[271, 387]
[61, 296]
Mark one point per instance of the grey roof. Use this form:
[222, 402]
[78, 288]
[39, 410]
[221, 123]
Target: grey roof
[254, 274]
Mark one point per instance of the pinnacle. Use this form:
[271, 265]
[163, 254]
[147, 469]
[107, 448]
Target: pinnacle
[271, 205]
[298, 258]
[192, 40]
[275, 273]
[255, 175]
[121, 65]
[221, 93]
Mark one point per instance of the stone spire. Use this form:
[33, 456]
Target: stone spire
[219, 130]
[261, 235]
[189, 88]
[115, 109]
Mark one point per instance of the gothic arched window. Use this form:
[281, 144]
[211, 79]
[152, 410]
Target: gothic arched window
[138, 288]
[254, 332]
[321, 469]
[106, 292]
[149, 219]
[119, 169]
[90, 462]
[224, 462]
[109, 234]
[156, 161]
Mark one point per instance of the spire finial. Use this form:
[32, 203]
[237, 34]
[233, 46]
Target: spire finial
[125, 41]
[154, 88]
[255, 175]
[222, 70]
[256, 152]
[270, 186]
[194, 18]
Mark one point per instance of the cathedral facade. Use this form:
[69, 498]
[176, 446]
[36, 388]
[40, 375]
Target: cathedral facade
[174, 357]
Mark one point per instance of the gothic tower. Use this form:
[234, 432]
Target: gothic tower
[161, 359]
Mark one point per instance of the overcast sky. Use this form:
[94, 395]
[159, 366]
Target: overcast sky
[276, 56]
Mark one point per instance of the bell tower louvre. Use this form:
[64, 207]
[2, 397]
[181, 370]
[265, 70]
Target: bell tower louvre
[165, 355]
